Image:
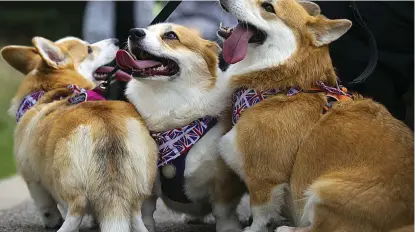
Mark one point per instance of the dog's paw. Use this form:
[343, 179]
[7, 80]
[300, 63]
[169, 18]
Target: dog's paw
[51, 218]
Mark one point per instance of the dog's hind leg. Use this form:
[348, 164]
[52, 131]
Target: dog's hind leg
[76, 211]
[46, 205]
[137, 221]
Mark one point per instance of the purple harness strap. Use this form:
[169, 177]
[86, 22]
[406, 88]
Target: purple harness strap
[81, 95]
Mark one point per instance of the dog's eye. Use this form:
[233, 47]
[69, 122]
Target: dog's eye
[268, 7]
[89, 50]
[170, 35]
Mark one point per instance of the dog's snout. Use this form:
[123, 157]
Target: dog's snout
[116, 42]
[137, 33]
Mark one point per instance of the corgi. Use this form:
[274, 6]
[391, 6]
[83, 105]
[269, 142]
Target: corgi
[335, 160]
[94, 157]
[176, 89]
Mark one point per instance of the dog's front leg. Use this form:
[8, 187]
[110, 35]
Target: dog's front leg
[147, 212]
[267, 202]
[227, 195]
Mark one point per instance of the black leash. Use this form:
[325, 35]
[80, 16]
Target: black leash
[373, 51]
[114, 89]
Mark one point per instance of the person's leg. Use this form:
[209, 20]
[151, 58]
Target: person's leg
[98, 21]
[124, 19]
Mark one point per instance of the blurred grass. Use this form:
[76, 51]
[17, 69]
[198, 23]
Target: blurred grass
[21, 21]
[10, 80]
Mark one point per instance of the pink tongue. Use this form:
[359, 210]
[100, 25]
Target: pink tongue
[234, 47]
[126, 61]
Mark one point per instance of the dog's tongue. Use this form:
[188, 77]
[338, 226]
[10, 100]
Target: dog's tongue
[126, 61]
[234, 47]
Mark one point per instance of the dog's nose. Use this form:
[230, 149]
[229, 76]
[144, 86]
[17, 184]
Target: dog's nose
[137, 33]
[116, 42]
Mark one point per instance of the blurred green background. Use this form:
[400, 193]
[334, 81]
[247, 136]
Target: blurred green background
[20, 21]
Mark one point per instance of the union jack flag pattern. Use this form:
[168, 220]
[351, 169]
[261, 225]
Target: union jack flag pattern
[177, 142]
[245, 98]
[28, 102]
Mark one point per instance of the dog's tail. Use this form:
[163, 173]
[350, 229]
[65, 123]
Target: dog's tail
[110, 190]
[122, 172]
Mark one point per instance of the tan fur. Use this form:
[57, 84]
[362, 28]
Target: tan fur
[104, 174]
[357, 159]
[189, 39]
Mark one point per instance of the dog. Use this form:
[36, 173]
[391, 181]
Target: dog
[175, 87]
[86, 155]
[335, 160]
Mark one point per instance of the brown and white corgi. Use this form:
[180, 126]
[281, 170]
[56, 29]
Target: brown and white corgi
[342, 166]
[176, 89]
[93, 157]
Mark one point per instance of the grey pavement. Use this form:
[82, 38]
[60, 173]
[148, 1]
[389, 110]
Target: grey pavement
[23, 218]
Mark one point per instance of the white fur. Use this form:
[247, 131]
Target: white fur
[308, 212]
[135, 140]
[119, 225]
[280, 44]
[71, 223]
[270, 212]
[230, 153]
[105, 54]
[138, 224]
[226, 217]
[171, 102]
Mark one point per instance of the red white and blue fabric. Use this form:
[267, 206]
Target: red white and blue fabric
[81, 95]
[28, 102]
[177, 142]
[245, 98]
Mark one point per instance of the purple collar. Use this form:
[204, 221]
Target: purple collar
[81, 95]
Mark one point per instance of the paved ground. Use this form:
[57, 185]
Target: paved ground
[18, 214]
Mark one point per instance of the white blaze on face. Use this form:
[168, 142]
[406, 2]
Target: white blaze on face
[103, 52]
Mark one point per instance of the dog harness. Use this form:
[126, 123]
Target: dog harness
[81, 95]
[245, 98]
[174, 145]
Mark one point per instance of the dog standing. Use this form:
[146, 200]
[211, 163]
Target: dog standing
[176, 89]
[342, 165]
[93, 157]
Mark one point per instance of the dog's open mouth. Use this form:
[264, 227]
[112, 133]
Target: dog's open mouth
[144, 64]
[237, 39]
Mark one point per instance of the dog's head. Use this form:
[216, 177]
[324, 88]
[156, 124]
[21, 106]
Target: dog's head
[169, 53]
[51, 65]
[89, 57]
[272, 32]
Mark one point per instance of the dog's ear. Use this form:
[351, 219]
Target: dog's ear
[214, 47]
[324, 31]
[51, 54]
[22, 58]
[312, 8]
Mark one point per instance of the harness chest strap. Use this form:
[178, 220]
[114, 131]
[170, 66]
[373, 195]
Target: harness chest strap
[245, 98]
[174, 145]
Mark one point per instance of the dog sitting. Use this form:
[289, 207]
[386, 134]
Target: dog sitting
[336, 161]
[87, 156]
[176, 89]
